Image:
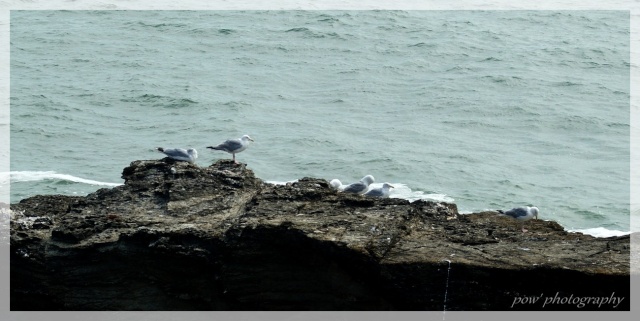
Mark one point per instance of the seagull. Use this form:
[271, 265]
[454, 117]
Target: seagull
[359, 187]
[380, 192]
[522, 214]
[180, 154]
[233, 146]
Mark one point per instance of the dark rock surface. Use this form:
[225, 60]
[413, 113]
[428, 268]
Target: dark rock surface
[218, 238]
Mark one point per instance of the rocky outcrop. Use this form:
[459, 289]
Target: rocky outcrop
[177, 236]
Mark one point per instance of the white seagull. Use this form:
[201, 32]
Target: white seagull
[359, 187]
[234, 146]
[188, 155]
[521, 214]
[383, 191]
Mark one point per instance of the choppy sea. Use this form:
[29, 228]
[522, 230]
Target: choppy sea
[486, 109]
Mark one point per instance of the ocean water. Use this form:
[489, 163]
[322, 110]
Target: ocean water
[486, 109]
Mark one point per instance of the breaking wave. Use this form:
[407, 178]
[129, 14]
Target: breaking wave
[34, 176]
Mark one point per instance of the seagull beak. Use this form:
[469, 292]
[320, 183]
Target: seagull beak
[391, 186]
[251, 139]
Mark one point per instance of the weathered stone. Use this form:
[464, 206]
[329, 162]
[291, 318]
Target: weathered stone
[218, 238]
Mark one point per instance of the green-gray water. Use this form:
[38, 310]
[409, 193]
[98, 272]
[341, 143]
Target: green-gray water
[490, 109]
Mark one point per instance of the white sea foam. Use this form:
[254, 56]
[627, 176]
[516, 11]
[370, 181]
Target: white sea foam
[600, 232]
[33, 176]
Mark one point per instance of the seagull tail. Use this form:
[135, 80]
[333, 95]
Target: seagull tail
[500, 211]
[214, 147]
[160, 149]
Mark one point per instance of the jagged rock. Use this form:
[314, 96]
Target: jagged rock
[177, 236]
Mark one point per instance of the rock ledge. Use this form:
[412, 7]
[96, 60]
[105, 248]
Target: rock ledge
[218, 238]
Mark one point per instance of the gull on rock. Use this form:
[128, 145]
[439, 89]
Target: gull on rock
[234, 146]
[359, 187]
[383, 191]
[521, 214]
[187, 155]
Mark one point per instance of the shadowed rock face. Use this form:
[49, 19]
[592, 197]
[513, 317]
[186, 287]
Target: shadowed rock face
[218, 238]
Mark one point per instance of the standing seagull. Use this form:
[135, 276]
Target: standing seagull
[380, 192]
[522, 214]
[359, 187]
[180, 154]
[233, 146]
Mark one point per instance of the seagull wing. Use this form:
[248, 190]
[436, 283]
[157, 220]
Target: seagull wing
[177, 153]
[516, 212]
[230, 145]
[358, 187]
[377, 192]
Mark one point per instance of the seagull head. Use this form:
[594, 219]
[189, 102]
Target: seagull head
[534, 211]
[246, 138]
[387, 186]
[193, 152]
[367, 180]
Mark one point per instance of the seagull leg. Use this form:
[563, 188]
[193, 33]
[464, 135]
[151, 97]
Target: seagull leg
[234, 158]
